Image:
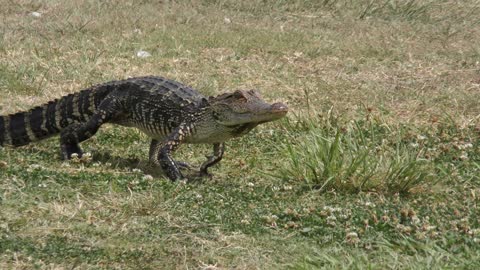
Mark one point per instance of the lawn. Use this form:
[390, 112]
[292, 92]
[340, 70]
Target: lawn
[377, 165]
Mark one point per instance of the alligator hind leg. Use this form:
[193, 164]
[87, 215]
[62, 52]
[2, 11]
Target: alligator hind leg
[218, 150]
[70, 147]
[72, 135]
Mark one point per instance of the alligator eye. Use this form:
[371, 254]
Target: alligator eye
[239, 95]
[241, 99]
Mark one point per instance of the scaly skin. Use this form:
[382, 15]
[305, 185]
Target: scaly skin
[167, 111]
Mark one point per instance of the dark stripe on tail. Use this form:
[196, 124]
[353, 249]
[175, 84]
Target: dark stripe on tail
[50, 124]
[66, 111]
[18, 131]
[83, 104]
[2, 130]
[36, 123]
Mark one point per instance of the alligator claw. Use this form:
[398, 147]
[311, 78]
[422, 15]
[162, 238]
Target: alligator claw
[70, 150]
[183, 165]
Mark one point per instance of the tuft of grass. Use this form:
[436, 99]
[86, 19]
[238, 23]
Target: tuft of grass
[359, 156]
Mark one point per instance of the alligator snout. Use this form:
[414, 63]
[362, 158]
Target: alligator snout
[279, 108]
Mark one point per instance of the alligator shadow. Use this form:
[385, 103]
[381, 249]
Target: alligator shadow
[145, 166]
[125, 163]
[192, 174]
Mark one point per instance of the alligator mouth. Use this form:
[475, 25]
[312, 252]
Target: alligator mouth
[239, 130]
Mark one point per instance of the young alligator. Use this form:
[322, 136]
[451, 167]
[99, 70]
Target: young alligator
[167, 111]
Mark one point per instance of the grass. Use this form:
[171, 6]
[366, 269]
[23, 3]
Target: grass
[364, 155]
[376, 165]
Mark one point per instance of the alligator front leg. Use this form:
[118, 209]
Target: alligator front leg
[218, 149]
[155, 147]
[161, 152]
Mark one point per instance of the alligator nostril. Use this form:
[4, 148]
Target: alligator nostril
[279, 107]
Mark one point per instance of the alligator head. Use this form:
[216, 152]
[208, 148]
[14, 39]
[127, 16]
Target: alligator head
[243, 110]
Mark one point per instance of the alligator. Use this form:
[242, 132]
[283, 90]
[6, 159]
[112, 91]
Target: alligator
[169, 112]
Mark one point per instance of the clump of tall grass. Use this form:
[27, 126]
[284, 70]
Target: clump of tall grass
[356, 156]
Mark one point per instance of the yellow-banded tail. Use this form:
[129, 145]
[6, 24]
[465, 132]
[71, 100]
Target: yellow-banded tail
[49, 119]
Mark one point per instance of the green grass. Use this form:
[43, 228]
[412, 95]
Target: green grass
[376, 166]
[361, 156]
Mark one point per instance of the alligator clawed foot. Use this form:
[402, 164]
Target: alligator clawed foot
[183, 165]
[68, 151]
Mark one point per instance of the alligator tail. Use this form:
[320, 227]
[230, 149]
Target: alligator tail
[49, 119]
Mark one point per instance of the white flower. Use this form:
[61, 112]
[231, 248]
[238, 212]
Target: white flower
[36, 14]
[143, 54]
[369, 204]
[147, 177]
[352, 238]
[421, 137]
[331, 220]
[464, 156]
[415, 220]
[245, 221]
[134, 182]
